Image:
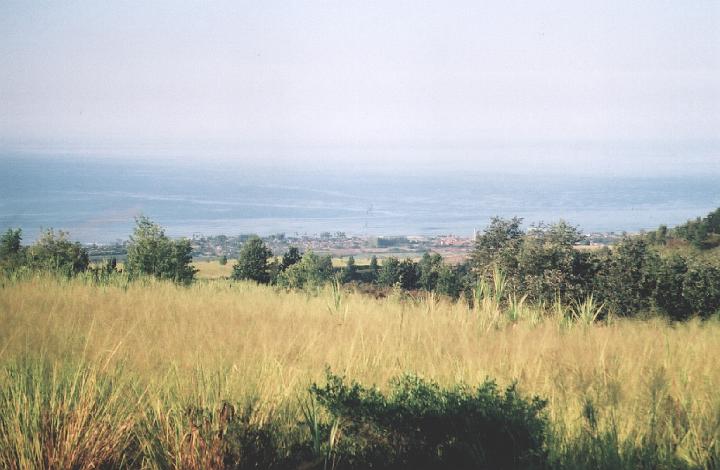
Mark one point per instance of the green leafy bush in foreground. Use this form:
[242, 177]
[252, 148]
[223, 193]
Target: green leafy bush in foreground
[418, 424]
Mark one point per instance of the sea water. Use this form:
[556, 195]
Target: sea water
[97, 199]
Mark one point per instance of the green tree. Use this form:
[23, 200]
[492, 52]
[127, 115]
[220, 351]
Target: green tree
[54, 252]
[668, 295]
[373, 269]
[11, 249]
[449, 282]
[498, 244]
[549, 265]
[253, 261]
[389, 273]
[628, 277]
[223, 260]
[429, 267]
[290, 257]
[312, 271]
[349, 273]
[409, 274]
[701, 287]
[151, 252]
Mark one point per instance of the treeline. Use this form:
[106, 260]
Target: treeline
[150, 253]
[702, 233]
[541, 265]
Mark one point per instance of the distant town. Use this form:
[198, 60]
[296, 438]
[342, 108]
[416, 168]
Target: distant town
[339, 245]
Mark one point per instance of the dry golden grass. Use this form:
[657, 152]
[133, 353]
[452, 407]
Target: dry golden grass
[213, 269]
[249, 340]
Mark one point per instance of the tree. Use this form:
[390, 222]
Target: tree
[152, 253]
[11, 249]
[290, 257]
[389, 274]
[627, 279]
[429, 267]
[223, 260]
[252, 261]
[374, 268]
[668, 294]
[701, 288]
[448, 282]
[549, 265]
[54, 252]
[409, 274]
[349, 273]
[312, 271]
[498, 244]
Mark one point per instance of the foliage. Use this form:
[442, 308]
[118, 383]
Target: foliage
[548, 264]
[389, 273]
[429, 266]
[668, 295]
[63, 416]
[448, 282]
[374, 269]
[312, 271]
[498, 244]
[54, 252]
[419, 425]
[252, 263]
[703, 232]
[409, 274]
[626, 281]
[349, 273]
[186, 350]
[11, 255]
[701, 288]
[290, 257]
[151, 252]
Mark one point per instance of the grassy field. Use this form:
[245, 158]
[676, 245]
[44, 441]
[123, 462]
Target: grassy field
[212, 269]
[135, 355]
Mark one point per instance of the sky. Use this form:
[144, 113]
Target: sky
[556, 83]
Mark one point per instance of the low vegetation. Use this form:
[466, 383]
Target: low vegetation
[532, 354]
[146, 373]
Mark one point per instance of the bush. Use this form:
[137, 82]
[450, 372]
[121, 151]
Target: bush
[626, 282]
[701, 288]
[389, 273]
[669, 296]
[419, 425]
[151, 252]
[54, 252]
[312, 271]
[252, 261]
[11, 255]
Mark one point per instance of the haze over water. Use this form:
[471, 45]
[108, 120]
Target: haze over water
[96, 199]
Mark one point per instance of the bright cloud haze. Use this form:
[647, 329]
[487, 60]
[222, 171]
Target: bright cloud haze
[635, 84]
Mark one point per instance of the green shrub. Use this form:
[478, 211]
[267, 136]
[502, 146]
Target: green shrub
[389, 273]
[152, 253]
[54, 252]
[310, 272]
[253, 261]
[701, 288]
[626, 282]
[668, 295]
[419, 425]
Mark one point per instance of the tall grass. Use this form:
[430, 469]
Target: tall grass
[139, 374]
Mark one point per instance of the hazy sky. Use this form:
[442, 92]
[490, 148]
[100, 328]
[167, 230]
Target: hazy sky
[376, 79]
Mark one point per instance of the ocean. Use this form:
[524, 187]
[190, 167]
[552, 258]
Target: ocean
[97, 199]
